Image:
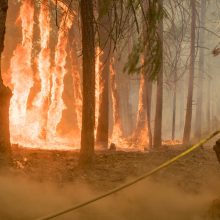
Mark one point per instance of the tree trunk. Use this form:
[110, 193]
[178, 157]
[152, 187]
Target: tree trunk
[157, 142]
[142, 132]
[199, 107]
[188, 118]
[88, 108]
[117, 132]
[174, 105]
[159, 110]
[146, 97]
[5, 95]
[149, 100]
[104, 72]
[209, 106]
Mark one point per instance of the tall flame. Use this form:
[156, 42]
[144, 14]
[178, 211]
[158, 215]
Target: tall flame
[44, 68]
[97, 85]
[57, 105]
[117, 134]
[36, 126]
[21, 72]
[141, 136]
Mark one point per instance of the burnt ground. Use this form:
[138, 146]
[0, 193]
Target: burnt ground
[111, 169]
[183, 191]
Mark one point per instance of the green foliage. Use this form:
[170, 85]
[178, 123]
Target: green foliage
[150, 44]
[133, 65]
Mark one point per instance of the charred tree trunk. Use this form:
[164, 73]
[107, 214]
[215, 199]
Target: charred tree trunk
[188, 118]
[157, 142]
[5, 95]
[88, 108]
[198, 122]
[104, 72]
[159, 110]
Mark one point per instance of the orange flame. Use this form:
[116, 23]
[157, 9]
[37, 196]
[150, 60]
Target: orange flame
[117, 134]
[141, 133]
[42, 100]
[21, 73]
[36, 127]
[57, 105]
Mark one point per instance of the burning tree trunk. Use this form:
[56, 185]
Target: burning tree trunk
[147, 84]
[198, 122]
[21, 72]
[142, 127]
[117, 132]
[57, 105]
[188, 118]
[104, 72]
[5, 94]
[88, 109]
[73, 37]
[44, 66]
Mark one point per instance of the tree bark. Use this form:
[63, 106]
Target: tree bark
[159, 110]
[199, 107]
[104, 23]
[174, 105]
[142, 130]
[5, 96]
[208, 113]
[188, 118]
[88, 109]
[117, 132]
[157, 142]
[147, 84]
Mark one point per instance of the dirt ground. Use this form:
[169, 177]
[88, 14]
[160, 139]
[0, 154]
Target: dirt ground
[110, 169]
[190, 184]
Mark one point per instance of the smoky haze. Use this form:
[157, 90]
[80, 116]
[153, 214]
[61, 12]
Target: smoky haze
[23, 199]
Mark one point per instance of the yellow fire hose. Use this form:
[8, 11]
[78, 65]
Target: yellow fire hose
[126, 185]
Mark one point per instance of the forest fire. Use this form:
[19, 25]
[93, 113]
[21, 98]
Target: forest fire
[37, 83]
[35, 113]
[38, 68]
[109, 101]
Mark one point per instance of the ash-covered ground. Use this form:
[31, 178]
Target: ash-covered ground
[46, 181]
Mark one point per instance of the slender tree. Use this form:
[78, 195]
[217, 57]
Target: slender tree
[174, 105]
[159, 110]
[88, 108]
[199, 106]
[157, 141]
[188, 118]
[5, 94]
[148, 97]
[104, 23]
